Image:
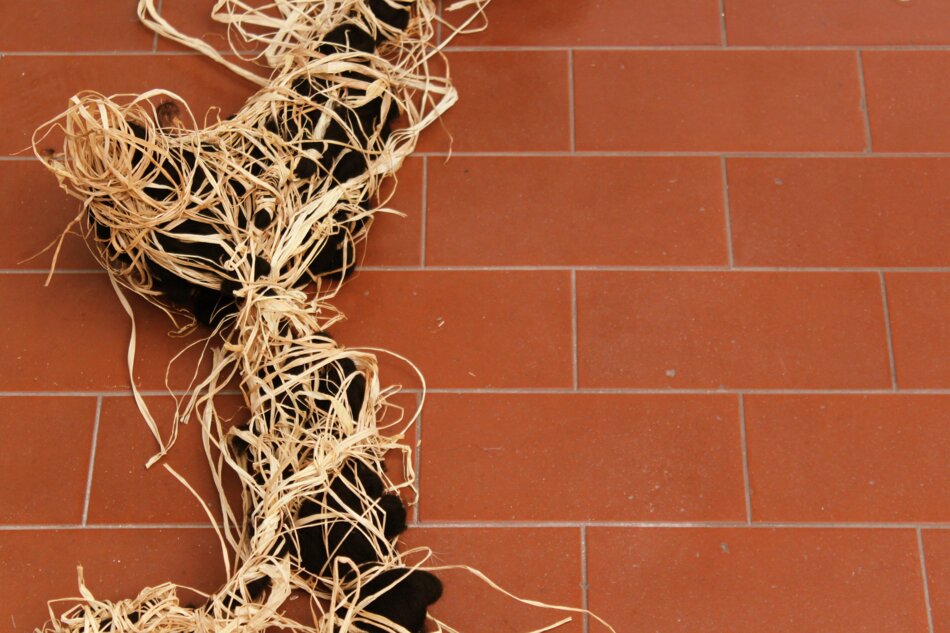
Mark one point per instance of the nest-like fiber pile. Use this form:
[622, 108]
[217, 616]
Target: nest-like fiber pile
[225, 225]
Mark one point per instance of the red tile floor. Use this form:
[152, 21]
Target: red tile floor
[682, 297]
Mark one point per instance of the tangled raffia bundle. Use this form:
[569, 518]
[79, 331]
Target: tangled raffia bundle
[224, 225]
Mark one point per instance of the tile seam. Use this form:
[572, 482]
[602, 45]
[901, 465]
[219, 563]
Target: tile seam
[742, 524]
[110, 394]
[572, 113]
[92, 460]
[923, 572]
[417, 460]
[569, 267]
[531, 391]
[634, 269]
[574, 345]
[425, 211]
[865, 113]
[727, 211]
[155, 35]
[438, 24]
[757, 525]
[585, 582]
[58, 271]
[746, 154]
[783, 48]
[686, 153]
[44, 527]
[681, 391]
[634, 48]
[747, 486]
[889, 337]
[723, 34]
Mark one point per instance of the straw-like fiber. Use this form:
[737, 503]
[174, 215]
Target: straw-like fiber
[247, 206]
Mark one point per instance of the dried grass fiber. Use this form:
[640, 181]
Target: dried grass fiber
[160, 190]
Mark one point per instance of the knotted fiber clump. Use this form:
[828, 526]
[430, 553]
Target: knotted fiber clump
[226, 225]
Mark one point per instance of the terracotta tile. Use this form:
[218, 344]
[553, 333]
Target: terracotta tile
[836, 22]
[740, 580]
[907, 97]
[918, 306]
[638, 211]
[36, 213]
[395, 240]
[937, 555]
[47, 458]
[73, 335]
[860, 211]
[96, 25]
[117, 564]
[849, 457]
[463, 329]
[658, 458]
[520, 560]
[718, 101]
[508, 101]
[37, 89]
[731, 330]
[125, 492]
[606, 23]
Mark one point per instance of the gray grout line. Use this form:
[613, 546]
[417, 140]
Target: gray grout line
[697, 391]
[438, 24]
[722, 23]
[798, 155]
[107, 394]
[574, 353]
[417, 462]
[585, 583]
[768, 525]
[519, 49]
[869, 147]
[126, 53]
[106, 526]
[641, 154]
[453, 525]
[747, 486]
[923, 573]
[726, 210]
[570, 100]
[568, 268]
[664, 269]
[92, 460]
[694, 48]
[60, 394]
[425, 209]
[45, 271]
[533, 391]
[155, 35]
[887, 329]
